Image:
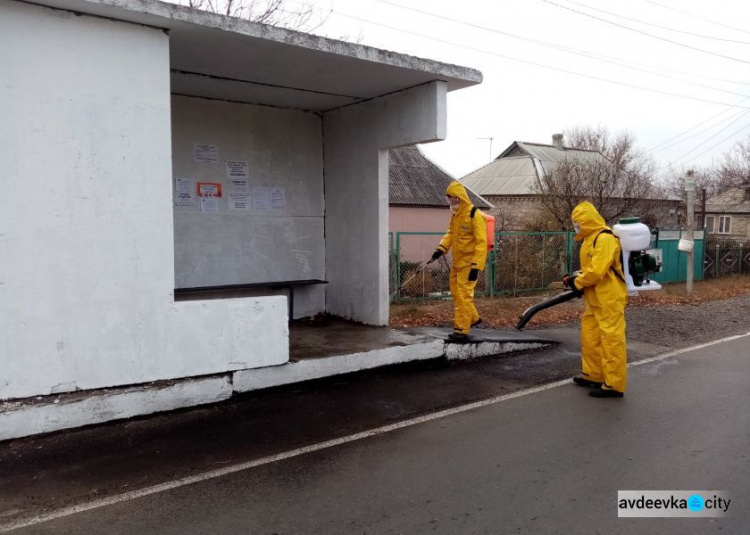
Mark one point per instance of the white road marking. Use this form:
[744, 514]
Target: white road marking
[127, 496]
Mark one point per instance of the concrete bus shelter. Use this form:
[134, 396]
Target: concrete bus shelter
[118, 115]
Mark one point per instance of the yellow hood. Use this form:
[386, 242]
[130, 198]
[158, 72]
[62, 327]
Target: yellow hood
[588, 219]
[456, 189]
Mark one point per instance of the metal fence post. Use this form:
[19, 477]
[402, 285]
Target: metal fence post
[398, 267]
[741, 259]
[569, 239]
[716, 260]
[494, 262]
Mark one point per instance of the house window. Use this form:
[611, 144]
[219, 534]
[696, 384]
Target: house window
[710, 224]
[725, 223]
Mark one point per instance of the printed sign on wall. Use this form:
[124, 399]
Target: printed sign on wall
[209, 189]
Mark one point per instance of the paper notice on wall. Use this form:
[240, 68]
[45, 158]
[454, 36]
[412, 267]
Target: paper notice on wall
[209, 205]
[239, 184]
[184, 192]
[237, 169]
[184, 199]
[239, 201]
[278, 199]
[237, 173]
[209, 189]
[261, 198]
[205, 153]
[184, 185]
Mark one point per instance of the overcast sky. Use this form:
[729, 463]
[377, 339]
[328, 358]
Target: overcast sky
[524, 98]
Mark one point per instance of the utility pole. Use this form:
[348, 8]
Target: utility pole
[690, 190]
[490, 138]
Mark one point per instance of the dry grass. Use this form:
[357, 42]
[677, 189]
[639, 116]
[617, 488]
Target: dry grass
[500, 312]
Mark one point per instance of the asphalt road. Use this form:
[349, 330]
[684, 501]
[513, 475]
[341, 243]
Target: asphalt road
[551, 461]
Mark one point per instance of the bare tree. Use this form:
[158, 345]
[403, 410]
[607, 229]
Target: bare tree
[731, 171]
[705, 178]
[283, 13]
[734, 168]
[614, 176]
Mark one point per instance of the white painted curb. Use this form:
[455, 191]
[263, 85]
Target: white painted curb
[31, 418]
[305, 370]
[46, 417]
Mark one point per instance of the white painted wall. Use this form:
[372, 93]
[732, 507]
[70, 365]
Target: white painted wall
[356, 175]
[86, 228]
[283, 149]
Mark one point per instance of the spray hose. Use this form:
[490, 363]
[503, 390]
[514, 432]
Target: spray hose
[530, 312]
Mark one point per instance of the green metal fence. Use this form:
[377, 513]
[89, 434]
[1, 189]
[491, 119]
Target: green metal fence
[522, 262]
[526, 262]
[414, 280]
[530, 261]
[674, 262]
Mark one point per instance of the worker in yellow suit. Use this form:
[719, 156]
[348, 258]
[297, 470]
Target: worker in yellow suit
[603, 351]
[467, 237]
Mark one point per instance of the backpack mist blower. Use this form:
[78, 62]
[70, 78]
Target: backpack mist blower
[637, 264]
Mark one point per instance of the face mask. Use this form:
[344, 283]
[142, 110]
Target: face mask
[577, 228]
[454, 207]
[453, 202]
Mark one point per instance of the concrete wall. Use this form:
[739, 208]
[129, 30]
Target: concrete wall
[356, 176]
[86, 229]
[283, 149]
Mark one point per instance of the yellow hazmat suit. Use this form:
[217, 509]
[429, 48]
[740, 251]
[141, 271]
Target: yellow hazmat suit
[467, 237]
[603, 352]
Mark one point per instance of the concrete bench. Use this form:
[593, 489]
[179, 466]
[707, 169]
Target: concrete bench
[229, 289]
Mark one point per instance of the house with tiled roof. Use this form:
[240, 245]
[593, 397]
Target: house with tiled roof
[508, 182]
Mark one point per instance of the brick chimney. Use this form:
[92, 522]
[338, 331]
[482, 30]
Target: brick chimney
[557, 141]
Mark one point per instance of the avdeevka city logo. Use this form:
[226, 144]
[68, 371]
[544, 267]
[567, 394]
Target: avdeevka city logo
[695, 503]
[673, 503]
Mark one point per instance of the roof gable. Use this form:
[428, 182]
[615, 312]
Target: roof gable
[518, 168]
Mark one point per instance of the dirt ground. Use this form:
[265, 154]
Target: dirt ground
[668, 317]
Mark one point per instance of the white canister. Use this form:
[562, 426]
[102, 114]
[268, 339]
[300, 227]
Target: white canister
[634, 235]
[685, 245]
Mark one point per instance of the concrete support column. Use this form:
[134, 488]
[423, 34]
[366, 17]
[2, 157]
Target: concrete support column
[356, 139]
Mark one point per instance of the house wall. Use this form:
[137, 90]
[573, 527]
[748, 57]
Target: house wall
[739, 226]
[418, 219]
[283, 149]
[517, 213]
[356, 184]
[513, 213]
[417, 248]
[86, 233]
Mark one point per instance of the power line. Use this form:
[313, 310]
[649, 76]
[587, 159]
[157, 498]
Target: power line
[710, 138]
[657, 25]
[730, 136]
[578, 52]
[699, 132]
[666, 144]
[645, 33]
[697, 17]
[510, 58]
